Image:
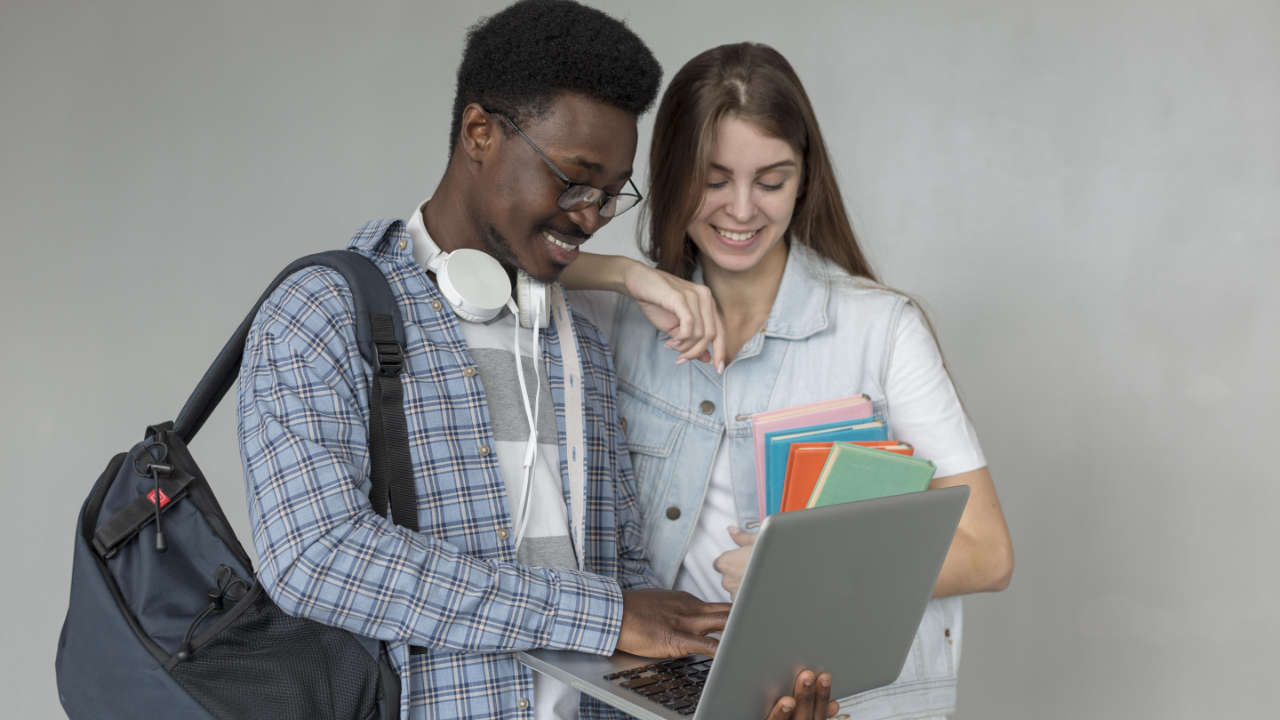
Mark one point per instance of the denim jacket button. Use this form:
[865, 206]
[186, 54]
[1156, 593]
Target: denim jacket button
[673, 513]
[707, 407]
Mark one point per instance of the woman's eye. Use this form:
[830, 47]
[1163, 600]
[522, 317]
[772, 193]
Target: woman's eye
[771, 182]
[717, 185]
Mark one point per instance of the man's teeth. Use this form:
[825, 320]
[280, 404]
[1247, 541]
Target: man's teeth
[562, 245]
[736, 237]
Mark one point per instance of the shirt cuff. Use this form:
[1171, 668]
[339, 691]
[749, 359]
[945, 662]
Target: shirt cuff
[589, 614]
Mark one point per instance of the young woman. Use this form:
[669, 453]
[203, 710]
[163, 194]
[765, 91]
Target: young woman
[760, 275]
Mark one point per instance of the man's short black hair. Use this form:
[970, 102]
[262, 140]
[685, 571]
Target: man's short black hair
[519, 60]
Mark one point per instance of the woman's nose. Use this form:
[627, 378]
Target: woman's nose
[741, 207]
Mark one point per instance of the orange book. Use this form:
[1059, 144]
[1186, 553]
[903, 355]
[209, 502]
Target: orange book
[804, 465]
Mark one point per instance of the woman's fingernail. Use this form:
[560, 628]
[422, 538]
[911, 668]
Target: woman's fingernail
[682, 361]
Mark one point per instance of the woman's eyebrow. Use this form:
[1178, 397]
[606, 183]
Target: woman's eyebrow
[765, 169]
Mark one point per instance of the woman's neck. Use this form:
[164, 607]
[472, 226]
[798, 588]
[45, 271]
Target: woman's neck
[745, 298]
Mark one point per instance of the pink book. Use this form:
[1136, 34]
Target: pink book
[854, 407]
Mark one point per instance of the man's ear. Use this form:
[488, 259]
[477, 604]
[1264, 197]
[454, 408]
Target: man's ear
[478, 132]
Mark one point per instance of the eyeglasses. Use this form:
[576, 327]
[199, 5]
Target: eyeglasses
[577, 196]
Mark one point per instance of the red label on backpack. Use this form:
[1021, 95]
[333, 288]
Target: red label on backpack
[164, 499]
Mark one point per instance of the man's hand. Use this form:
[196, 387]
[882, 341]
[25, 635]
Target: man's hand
[669, 623]
[731, 565]
[809, 700]
[681, 309]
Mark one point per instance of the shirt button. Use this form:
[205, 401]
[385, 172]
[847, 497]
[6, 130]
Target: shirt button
[502, 533]
[436, 305]
[469, 371]
[404, 244]
[707, 407]
[523, 704]
[673, 513]
[484, 451]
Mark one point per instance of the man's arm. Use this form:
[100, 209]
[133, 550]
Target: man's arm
[325, 555]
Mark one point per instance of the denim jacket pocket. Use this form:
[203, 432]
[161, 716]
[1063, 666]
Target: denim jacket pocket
[652, 436]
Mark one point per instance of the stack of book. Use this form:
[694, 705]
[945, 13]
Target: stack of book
[830, 452]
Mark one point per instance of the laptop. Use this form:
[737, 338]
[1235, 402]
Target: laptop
[839, 589]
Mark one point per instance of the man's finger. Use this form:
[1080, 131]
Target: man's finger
[804, 696]
[782, 709]
[705, 622]
[822, 697]
[688, 644]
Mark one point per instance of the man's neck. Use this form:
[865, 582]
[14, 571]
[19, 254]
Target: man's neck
[447, 221]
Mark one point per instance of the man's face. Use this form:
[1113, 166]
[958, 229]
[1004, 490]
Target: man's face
[591, 143]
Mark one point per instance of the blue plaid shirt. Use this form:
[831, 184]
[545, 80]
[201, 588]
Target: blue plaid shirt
[453, 587]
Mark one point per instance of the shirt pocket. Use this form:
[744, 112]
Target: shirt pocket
[652, 437]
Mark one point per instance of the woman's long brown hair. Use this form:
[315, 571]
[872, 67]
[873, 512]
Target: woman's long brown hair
[755, 83]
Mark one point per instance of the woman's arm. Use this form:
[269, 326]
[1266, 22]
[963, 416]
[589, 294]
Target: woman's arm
[685, 311]
[981, 556]
[596, 272]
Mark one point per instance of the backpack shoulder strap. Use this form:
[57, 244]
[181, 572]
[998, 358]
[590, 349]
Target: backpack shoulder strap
[380, 336]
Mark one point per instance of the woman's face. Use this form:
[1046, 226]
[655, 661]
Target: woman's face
[749, 196]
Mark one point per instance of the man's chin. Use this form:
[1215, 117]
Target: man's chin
[547, 275]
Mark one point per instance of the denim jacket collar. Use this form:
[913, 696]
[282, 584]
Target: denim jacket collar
[800, 309]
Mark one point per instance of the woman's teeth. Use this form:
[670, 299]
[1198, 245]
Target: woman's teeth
[562, 245]
[737, 236]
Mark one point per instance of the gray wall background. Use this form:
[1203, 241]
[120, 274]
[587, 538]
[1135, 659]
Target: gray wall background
[1085, 195]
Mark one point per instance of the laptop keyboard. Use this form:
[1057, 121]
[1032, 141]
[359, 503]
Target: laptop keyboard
[675, 683]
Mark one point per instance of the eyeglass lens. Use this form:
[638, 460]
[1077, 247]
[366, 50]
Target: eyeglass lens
[580, 197]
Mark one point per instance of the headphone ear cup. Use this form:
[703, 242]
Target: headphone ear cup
[476, 285]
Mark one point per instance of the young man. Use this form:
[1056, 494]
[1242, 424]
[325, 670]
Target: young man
[458, 588]
[505, 558]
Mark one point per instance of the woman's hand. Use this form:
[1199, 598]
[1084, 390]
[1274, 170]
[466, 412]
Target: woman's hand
[733, 564]
[683, 310]
[810, 699]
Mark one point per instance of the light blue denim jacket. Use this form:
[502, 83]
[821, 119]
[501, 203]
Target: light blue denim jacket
[828, 335]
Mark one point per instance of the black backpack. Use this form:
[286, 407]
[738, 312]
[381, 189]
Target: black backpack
[166, 617]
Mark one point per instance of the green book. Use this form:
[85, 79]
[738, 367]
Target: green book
[853, 472]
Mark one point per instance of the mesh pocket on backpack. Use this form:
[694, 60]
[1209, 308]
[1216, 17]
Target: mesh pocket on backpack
[266, 664]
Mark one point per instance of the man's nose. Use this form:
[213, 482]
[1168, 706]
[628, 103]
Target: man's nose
[588, 219]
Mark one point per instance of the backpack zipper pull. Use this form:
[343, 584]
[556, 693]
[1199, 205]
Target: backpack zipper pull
[158, 501]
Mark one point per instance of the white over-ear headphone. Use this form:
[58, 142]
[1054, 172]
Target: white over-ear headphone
[475, 284]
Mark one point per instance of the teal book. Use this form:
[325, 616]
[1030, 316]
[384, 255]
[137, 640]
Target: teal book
[855, 473]
[777, 446]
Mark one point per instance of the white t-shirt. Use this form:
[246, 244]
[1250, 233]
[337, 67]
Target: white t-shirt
[924, 411]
